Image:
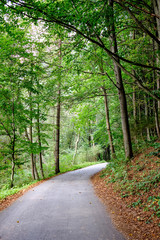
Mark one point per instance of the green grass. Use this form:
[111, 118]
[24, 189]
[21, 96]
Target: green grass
[79, 166]
[6, 191]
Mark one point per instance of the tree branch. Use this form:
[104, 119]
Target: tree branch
[6, 130]
[144, 10]
[137, 21]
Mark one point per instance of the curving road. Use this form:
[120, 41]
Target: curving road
[62, 208]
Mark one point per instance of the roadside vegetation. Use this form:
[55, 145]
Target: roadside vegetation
[23, 177]
[137, 182]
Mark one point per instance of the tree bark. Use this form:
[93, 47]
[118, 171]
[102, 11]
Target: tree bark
[134, 106]
[121, 92]
[156, 6]
[76, 147]
[13, 158]
[107, 115]
[35, 167]
[12, 173]
[32, 156]
[146, 116]
[40, 144]
[13, 141]
[139, 116]
[156, 118]
[134, 94]
[57, 169]
[31, 139]
[156, 48]
[108, 123]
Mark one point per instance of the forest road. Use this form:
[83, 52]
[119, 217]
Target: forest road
[62, 208]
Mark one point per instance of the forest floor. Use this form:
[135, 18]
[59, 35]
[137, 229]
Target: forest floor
[133, 200]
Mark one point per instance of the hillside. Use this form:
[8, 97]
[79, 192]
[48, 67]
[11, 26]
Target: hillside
[131, 193]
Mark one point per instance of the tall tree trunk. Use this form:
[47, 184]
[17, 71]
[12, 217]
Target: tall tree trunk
[156, 6]
[146, 116]
[13, 145]
[140, 117]
[134, 106]
[57, 169]
[89, 134]
[31, 138]
[35, 167]
[134, 97]
[13, 159]
[108, 123]
[39, 143]
[107, 115]
[12, 172]
[156, 118]
[156, 49]
[121, 91]
[76, 147]
[32, 156]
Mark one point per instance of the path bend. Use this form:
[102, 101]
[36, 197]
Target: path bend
[62, 208]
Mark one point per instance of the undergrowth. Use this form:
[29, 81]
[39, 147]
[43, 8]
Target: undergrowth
[138, 180]
[7, 191]
[23, 176]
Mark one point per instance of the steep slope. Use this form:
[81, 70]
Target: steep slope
[131, 192]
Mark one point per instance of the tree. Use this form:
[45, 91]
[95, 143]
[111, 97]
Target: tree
[108, 47]
[68, 17]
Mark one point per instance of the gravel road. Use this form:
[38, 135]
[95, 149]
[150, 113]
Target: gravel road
[62, 208]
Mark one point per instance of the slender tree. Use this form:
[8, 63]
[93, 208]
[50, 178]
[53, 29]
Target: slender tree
[57, 146]
[121, 91]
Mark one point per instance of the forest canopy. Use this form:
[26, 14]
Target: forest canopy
[79, 81]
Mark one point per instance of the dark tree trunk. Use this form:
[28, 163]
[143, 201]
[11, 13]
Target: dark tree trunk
[156, 7]
[13, 141]
[57, 169]
[13, 159]
[12, 173]
[31, 138]
[121, 92]
[134, 106]
[156, 118]
[39, 143]
[108, 123]
[156, 61]
[32, 156]
[35, 167]
[146, 116]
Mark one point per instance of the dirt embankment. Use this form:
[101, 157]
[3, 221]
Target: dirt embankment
[135, 221]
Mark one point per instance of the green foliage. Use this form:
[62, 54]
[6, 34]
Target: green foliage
[7, 191]
[31, 69]
[138, 179]
[135, 204]
[154, 204]
[24, 180]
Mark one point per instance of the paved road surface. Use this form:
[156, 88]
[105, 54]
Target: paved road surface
[62, 208]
